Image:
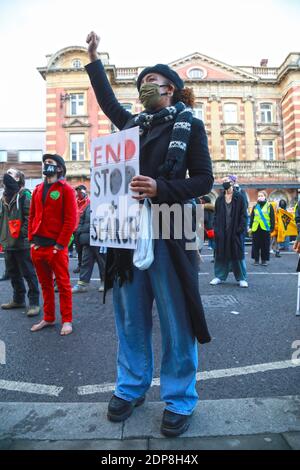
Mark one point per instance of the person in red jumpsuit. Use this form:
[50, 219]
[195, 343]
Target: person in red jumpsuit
[52, 220]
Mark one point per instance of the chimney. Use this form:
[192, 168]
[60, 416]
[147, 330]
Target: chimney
[264, 62]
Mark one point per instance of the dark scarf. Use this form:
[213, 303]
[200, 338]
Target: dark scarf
[183, 116]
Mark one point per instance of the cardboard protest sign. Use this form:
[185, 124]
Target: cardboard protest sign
[114, 213]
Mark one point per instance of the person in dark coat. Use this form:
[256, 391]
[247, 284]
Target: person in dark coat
[90, 254]
[229, 225]
[209, 212]
[172, 142]
[262, 222]
[14, 214]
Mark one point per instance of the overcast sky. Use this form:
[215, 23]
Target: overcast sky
[134, 32]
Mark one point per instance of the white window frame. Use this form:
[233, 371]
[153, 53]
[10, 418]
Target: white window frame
[268, 150]
[77, 64]
[77, 99]
[196, 73]
[232, 150]
[77, 147]
[30, 155]
[3, 156]
[198, 111]
[265, 117]
[230, 115]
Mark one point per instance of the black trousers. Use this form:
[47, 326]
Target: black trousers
[90, 256]
[19, 267]
[79, 248]
[261, 245]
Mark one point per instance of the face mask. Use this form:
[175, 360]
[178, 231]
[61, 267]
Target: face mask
[11, 185]
[226, 185]
[149, 95]
[261, 199]
[49, 169]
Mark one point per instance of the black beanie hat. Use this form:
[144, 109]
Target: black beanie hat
[164, 70]
[58, 159]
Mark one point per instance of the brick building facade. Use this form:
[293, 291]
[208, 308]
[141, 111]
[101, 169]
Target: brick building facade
[251, 115]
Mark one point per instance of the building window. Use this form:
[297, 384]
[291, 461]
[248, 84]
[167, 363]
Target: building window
[77, 150]
[77, 104]
[30, 155]
[76, 64]
[3, 156]
[230, 113]
[266, 112]
[196, 73]
[232, 149]
[198, 111]
[268, 151]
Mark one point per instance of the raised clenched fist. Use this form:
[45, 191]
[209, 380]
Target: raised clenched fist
[93, 43]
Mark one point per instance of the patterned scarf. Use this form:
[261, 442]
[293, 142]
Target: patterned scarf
[181, 132]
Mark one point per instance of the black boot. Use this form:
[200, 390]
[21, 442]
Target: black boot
[174, 424]
[119, 409]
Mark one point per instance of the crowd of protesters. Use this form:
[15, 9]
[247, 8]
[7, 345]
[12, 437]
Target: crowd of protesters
[35, 234]
[38, 230]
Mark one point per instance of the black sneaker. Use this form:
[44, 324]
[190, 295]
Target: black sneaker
[119, 409]
[174, 424]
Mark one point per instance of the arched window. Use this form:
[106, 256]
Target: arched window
[196, 73]
[230, 113]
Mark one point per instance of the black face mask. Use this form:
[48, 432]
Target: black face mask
[226, 185]
[11, 185]
[49, 169]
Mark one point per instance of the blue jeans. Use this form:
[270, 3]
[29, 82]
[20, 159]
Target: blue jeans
[223, 268]
[133, 311]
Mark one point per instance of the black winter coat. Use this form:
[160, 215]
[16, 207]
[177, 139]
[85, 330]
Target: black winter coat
[83, 229]
[238, 226]
[153, 149]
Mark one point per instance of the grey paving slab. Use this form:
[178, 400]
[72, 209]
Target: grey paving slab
[256, 442]
[103, 444]
[56, 421]
[223, 418]
[293, 439]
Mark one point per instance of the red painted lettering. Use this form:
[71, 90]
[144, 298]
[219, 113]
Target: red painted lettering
[129, 149]
[97, 156]
[111, 153]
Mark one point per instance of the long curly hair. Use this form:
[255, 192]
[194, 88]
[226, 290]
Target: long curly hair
[186, 95]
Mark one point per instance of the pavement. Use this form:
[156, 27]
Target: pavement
[240, 424]
[56, 397]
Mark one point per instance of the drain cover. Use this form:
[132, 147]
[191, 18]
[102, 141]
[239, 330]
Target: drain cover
[218, 300]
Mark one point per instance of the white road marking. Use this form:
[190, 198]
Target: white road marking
[208, 375]
[265, 273]
[25, 387]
